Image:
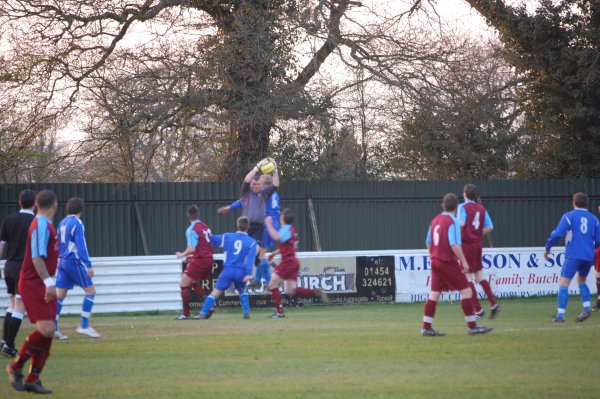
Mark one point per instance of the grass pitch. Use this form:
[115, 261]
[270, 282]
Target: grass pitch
[357, 351]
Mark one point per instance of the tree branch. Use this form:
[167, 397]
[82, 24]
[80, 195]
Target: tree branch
[333, 37]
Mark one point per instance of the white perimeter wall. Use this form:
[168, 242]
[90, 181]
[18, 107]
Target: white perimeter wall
[150, 283]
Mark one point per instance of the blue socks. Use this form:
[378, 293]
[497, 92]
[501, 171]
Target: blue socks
[86, 310]
[263, 270]
[561, 301]
[208, 304]
[245, 301]
[58, 310]
[586, 297]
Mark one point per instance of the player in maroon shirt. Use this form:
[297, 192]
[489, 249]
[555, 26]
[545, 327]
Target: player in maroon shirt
[287, 270]
[444, 245]
[475, 222]
[199, 254]
[13, 236]
[38, 291]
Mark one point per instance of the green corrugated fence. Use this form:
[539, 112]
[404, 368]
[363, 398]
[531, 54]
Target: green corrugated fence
[349, 215]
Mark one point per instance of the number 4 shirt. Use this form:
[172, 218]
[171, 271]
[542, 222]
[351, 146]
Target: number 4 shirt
[473, 219]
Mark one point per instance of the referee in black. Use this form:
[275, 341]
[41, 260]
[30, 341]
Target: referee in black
[13, 236]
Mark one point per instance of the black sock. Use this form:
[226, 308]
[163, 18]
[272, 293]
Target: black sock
[7, 318]
[13, 330]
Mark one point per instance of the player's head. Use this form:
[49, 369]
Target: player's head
[74, 206]
[255, 184]
[243, 224]
[193, 212]
[26, 199]
[580, 200]
[46, 202]
[266, 181]
[287, 217]
[450, 202]
[470, 192]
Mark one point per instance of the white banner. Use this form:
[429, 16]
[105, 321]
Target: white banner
[512, 272]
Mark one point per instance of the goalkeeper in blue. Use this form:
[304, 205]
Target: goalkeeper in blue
[239, 253]
[582, 232]
[74, 267]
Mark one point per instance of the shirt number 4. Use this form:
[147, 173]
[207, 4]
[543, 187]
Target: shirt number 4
[476, 223]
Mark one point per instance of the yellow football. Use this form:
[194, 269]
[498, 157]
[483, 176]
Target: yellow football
[267, 167]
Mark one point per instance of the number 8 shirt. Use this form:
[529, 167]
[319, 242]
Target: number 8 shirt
[582, 233]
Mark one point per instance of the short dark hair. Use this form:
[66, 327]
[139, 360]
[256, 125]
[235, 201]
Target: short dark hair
[45, 199]
[580, 200]
[27, 199]
[193, 212]
[450, 202]
[471, 191]
[288, 216]
[243, 224]
[74, 206]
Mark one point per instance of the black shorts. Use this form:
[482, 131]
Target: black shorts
[12, 271]
[256, 231]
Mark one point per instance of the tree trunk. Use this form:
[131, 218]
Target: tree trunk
[248, 143]
[246, 60]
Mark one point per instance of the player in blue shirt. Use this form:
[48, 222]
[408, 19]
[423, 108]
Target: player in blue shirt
[582, 231]
[75, 267]
[272, 209]
[239, 253]
[259, 199]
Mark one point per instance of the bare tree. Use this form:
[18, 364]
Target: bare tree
[465, 124]
[29, 149]
[246, 63]
[249, 70]
[556, 45]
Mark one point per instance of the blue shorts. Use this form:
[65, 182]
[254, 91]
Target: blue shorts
[71, 273]
[231, 275]
[572, 266]
[267, 241]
